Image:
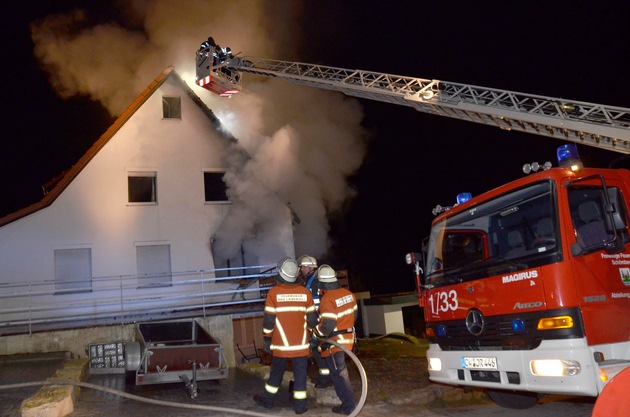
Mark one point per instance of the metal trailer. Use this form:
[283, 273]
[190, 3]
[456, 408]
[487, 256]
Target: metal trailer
[174, 351]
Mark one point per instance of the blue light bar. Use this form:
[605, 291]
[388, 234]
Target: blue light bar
[441, 330]
[518, 325]
[463, 197]
[568, 156]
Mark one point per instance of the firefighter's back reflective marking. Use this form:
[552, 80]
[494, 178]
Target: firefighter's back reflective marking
[291, 298]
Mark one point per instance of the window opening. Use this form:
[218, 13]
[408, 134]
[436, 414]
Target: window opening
[514, 231]
[215, 189]
[171, 107]
[593, 228]
[142, 187]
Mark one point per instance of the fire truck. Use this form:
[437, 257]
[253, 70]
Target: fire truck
[526, 288]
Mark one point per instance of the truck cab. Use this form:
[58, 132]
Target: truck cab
[524, 285]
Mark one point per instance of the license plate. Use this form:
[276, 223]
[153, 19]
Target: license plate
[479, 363]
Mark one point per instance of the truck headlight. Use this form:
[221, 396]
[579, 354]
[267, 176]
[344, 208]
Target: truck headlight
[435, 364]
[554, 367]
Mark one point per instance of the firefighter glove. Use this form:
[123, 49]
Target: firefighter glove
[267, 345]
[314, 342]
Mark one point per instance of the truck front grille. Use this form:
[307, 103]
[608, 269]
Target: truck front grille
[498, 333]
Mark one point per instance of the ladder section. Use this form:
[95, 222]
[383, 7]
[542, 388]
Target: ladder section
[605, 127]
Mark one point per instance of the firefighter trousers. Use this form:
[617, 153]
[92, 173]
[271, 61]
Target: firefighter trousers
[341, 381]
[323, 374]
[278, 366]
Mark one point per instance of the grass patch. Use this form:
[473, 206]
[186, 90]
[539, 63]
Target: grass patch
[394, 345]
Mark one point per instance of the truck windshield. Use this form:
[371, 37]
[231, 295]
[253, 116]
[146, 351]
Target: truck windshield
[513, 231]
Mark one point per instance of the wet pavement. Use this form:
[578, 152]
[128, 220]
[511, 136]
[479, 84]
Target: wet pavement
[16, 369]
[234, 392]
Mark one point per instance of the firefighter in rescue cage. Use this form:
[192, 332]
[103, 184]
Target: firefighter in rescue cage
[338, 311]
[287, 321]
[308, 274]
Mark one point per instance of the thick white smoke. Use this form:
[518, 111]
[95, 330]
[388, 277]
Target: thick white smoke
[302, 143]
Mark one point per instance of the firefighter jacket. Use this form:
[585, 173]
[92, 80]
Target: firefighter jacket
[288, 318]
[337, 311]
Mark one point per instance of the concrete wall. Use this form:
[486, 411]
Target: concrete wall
[384, 319]
[220, 327]
[76, 341]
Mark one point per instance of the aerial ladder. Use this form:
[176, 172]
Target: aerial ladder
[598, 125]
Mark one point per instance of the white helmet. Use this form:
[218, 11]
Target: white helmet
[306, 260]
[327, 278]
[287, 270]
[326, 274]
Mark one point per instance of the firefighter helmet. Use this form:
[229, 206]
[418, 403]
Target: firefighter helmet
[306, 260]
[287, 270]
[327, 278]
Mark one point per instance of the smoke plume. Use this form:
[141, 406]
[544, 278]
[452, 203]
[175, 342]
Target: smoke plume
[302, 143]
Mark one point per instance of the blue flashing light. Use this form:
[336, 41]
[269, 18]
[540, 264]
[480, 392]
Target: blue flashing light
[518, 325]
[463, 197]
[568, 156]
[441, 330]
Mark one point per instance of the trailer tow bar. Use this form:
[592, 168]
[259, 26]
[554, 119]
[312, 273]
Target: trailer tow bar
[191, 385]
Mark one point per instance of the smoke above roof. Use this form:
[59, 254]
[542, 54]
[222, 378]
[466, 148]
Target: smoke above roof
[303, 143]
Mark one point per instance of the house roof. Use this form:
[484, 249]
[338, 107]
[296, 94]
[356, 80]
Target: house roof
[53, 188]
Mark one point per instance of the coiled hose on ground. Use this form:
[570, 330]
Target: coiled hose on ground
[357, 410]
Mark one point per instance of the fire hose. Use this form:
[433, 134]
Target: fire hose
[123, 394]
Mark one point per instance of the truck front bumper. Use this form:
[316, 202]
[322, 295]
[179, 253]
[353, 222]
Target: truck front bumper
[513, 368]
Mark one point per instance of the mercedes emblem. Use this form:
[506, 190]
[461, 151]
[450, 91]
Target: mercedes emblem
[475, 322]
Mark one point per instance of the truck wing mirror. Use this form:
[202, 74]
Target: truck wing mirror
[415, 259]
[614, 211]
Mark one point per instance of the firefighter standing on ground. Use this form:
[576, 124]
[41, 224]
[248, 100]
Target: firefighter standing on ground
[308, 271]
[289, 315]
[337, 311]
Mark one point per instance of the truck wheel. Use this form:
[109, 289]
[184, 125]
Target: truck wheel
[513, 399]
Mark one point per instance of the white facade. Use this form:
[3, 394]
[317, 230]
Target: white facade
[93, 211]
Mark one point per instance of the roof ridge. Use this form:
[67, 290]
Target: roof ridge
[58, 184]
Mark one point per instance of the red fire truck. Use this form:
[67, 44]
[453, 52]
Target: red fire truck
[526, 288]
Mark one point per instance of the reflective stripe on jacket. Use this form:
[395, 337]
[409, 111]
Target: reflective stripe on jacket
[337, 311]
[289, 313]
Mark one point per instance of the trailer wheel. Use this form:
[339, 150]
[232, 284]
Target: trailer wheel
[133, 359]
[513, 399]
[130, 378]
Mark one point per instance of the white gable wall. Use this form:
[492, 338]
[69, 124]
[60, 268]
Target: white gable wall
[93, 211]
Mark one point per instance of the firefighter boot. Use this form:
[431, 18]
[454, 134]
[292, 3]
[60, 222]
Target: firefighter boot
[339, 410]
[258, 399]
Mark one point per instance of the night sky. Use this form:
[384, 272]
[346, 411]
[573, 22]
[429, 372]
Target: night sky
[567, 49]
